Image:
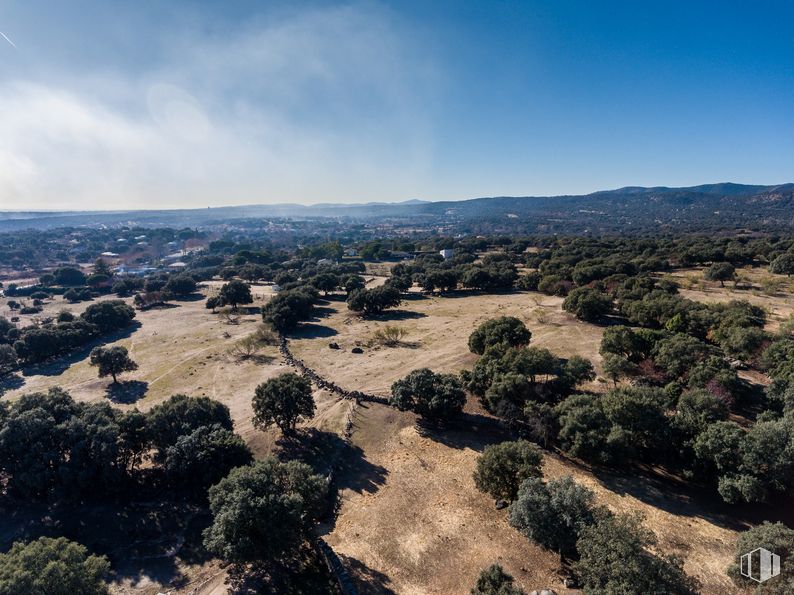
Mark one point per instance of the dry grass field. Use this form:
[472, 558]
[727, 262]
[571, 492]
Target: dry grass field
[410, 519]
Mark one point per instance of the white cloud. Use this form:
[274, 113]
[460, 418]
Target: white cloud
[319, 105]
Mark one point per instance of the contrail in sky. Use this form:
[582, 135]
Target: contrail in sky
[8, 40]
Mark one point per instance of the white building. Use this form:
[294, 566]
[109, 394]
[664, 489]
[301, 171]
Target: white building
[446, 253]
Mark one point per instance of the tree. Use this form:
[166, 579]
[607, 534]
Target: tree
[638, 418]
[47, 279]
[617, 367]
[584, 428]
[8, 359]
[325, 282]
[587, 303]
[501, 468]
[203, 458]
[351, 283]
[112, 361]
[507, 396]
[283, 401]
[50, 566]
[776, 538]
[401, 283]
[783, 264]
[696, 410]
[181, 415]
[263, 512]
[553, 514]
[180, 285]
[69, 277]
[495, 581]
[720, 271]
[436, 397]
[374, 301]
[678, 353]
[614, 558]
[234, 293]
[286, 309]
[109, 315]
[505, 329]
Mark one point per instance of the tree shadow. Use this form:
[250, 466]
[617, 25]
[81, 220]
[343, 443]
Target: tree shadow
[319, 312]
[192, 297]
[309, 330]
[144, 541]
[329, 454]
[367, 579]
[299, 574]
[60, 364]
[467, 430]
[670, 493]
[127, 392]
[257, 358]
[392, 315]
[11, 382]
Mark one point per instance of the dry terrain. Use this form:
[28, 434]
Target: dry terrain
[410, 519]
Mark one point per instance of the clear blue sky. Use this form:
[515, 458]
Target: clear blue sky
[170, 104]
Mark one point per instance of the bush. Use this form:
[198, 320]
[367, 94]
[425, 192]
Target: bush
[495, 581]
[389, 336]
[503, 467]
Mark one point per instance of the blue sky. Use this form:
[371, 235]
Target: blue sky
[107, 104]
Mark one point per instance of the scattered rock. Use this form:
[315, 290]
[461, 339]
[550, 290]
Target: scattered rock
[356, 350]
[571, 582]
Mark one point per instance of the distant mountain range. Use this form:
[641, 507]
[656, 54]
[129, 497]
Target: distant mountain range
[709, 206]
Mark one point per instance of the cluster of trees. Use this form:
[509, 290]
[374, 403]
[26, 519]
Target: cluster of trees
[36, 343]
[612, 552]
[54, 449]
[374, 301]
[432, 273]
[515, 381]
